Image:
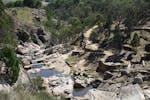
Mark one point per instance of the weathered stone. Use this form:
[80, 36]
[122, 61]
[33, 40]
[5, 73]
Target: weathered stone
[80, 83]
[23, 36]
[131, 92]
[107, 75]
[138, 79]
[95, 94]
[26, 60]
[128, 47]
[43, 35]
[22, 50]
[61, 48]
[92, 47]
[96, 83]
[77, 53]
[23, 78]
[60, 85]
[147, 94]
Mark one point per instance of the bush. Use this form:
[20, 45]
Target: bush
[22, 92]
[7, 35]
[118, 38]
[1, 6]
[8, 55]
[32, 3]
[136, 40]
[17, 3]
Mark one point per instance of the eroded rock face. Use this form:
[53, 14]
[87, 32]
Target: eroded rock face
[147, 93]
[23, 78]
[23, 36]
[22, 50]
[43, 35]
[61, 48]
[131, 92]
[60, 85]
[27, 60]
[27, 48]
[95, 94]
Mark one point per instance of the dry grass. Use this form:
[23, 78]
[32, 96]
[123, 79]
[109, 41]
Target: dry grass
[25, 15]
[6, 1]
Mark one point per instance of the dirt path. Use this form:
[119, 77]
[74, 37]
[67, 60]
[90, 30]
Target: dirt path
[88, 33]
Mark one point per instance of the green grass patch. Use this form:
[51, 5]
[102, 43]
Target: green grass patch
[72, 60]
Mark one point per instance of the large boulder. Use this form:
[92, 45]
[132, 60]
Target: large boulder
[23, 78]
[60, 85]
[43, 35]
[60, 48]
[27, 48]
[95, 94]
[60, 65]
[26, 60]
[22, 50]
[147, 94]
[131, 92]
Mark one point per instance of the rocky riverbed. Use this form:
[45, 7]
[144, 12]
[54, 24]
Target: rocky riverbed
[67, 70]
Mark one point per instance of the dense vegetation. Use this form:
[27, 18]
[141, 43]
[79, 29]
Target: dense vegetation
[7, 43]
[8, 55]
[7, 35]
[67, 19]
[28, 3]
[70, 17]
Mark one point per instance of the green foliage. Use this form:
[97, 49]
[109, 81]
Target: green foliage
[32, 3]
[78, 14]
[37, 84]
[118, 38]
[8, 55]
[28, 3]
[17, 3]
[7, 35]
[1, 7]
[49, 16]
[136, 40]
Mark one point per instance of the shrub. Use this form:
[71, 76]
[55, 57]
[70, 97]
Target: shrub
[8, 55]
[17, 3]
[136, 40]
[118, 38]
[32, 3]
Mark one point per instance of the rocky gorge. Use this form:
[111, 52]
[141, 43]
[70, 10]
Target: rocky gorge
[62, 57]
[89, 73]
[61, 78]
[84, 74]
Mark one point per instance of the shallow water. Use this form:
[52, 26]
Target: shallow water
[82, 91]
[45, 73]
[51, 72]
[37, 66]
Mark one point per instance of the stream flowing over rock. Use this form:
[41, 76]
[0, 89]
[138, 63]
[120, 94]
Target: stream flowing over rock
[75, 50]
[65, 72]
